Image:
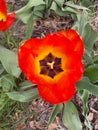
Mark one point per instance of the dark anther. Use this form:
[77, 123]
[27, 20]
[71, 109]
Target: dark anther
[50, 65]
[44, 70]
[57, 61]
[49, 57]
[58, 69]
[43, 62]
[51, 73]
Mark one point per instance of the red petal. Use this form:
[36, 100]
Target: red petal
[76, 40]
[57, 93]
[3, 10]
[6, 24]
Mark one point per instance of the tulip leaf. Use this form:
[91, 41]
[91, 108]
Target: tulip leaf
[82, 23]
[30, 4]
[92, 73]
[95, 58]
[24, 16]
[26, 85]
[61, 11]
[89, 36]
[32, 7]
[76, 6]
[59, 2]
[85, 83]
[9, 61]
[86, 3]
[7, 82]
[1, 69]
[23, 96]
[29, 27]
[57, 9]
[71, 117]
[56, 110]
[84, 94]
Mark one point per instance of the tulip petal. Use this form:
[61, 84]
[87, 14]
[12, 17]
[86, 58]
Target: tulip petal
[4, 25]
[3, 10]
[56, 94]
[76, 40]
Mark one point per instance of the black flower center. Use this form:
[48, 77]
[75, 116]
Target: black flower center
[50, 65]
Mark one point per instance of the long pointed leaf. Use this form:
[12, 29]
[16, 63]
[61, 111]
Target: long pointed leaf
[70, 117]
[56, 110]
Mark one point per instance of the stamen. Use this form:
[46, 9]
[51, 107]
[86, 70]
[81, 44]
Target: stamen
[57, 61]
[49, 57]
[51, 73]
[50, 65]
[43, 62]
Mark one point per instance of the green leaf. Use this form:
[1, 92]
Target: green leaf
[25, 16]
[29, 26]
[60, 2]
[71, 117]
[56, 110]
[26, 12]
[57, 6]
[85, 83]
[95, 58]
[26, 85]
[75, 6]
[89, 36]
[9, 61]
[30, 4]
[92, 73]
[3, 101]
[86, 3]
[57, 9]
[82, 23]
[23, 96]
[7, 83]
[1, 69]
[84, 94]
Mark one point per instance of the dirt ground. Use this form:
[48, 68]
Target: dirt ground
[40, 107]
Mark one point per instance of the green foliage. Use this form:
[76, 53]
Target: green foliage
[84, 97]
[89, 37]
[15, 89]
[85, 83]
[70, 117]
[7, 82]
[92, 73]
[56, 110]
[23, 96]
[9, 61]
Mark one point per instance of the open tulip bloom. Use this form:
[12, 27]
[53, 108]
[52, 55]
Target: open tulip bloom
[5, 19]
[54, 64]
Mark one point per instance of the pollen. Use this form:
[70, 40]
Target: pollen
[51, 65]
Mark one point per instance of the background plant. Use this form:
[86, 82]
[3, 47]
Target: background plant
[15, 89]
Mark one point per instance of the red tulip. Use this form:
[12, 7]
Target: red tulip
[54, 64]
[5, 19]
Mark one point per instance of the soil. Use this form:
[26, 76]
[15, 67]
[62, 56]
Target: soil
[40, 107]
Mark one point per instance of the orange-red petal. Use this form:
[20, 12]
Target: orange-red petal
[4, 25]
[76, 40]
[3, 10]
[57, 93]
